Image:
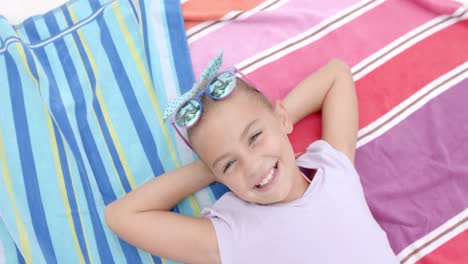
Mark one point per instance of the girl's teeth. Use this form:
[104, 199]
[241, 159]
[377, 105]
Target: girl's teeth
[267, 179]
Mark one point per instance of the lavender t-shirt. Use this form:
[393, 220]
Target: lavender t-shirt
[330, 223]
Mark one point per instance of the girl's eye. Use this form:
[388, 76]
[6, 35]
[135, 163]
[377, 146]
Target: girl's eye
[228, 165]
[254, 137]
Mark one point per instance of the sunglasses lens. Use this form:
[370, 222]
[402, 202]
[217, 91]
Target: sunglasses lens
[222, 86]
[188, 114]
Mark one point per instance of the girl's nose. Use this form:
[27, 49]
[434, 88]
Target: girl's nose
[251, 167]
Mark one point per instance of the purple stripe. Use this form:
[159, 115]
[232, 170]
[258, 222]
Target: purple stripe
[415, 176]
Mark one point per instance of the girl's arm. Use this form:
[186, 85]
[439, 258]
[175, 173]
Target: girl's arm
[330, 89]
[142, 217]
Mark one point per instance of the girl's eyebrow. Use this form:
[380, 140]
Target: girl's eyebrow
[243, 135]
[247, 128]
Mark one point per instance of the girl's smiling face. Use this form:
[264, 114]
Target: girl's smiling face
[245, 144]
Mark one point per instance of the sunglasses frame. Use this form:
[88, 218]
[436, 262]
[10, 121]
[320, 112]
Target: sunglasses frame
[196, 98]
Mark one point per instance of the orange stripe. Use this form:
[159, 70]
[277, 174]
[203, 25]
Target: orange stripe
[198, 11]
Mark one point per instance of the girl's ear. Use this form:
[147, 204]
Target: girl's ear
[283, 117]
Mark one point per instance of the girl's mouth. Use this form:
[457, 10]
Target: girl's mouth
[269, 179]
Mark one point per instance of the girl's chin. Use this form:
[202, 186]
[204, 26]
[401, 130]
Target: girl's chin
[273, 198]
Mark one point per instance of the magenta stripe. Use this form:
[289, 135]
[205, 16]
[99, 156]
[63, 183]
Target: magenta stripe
[352, 43]
[415, 176]
[243, 39]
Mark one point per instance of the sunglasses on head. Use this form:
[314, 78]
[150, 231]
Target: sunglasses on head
[219, 87]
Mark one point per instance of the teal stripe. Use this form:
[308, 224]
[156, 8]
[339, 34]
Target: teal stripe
[45, 168]
[143, 97]
[79, 97]
[31, 64]
[77, 106]
[6, 117]
[28, 164]
[82, 202]
[71, 194]
[113, 98]
[59, 113]
[122, 77]
[185, 208]
[86, 125]
[7, 246]
[185, 205]
[87, 79]
[14, 163]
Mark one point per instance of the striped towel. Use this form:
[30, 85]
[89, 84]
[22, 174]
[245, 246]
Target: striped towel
[409, 61]
[81, 93]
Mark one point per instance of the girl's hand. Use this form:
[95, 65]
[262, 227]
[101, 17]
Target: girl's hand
[204, 170]
[330, 89]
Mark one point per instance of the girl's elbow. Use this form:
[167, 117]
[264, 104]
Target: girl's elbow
[111, 215]
[340, 65]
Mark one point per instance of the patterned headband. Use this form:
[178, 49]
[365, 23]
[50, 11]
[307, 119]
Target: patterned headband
[209, 73]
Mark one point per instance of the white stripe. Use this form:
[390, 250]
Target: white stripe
[208, 23]
[276, 52]
[2, 253]
[227, 20]
[417, 34]
[432, 235]
[12, 40]
[410, 100]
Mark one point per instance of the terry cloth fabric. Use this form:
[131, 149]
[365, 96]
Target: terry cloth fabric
[330, 223]
[82, 89]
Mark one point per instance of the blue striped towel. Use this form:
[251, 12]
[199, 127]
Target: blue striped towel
[82, 89]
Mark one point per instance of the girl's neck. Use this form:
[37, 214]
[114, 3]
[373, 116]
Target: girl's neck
[300, 186]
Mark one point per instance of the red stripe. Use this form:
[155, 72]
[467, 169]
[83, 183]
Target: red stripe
[380, 90]
[454, 251]
[402, 76]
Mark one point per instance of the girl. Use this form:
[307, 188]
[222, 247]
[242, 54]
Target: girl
[279, 210]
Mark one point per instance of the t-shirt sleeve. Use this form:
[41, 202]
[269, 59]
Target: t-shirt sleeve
[321, 155]
[321, 152]
[221, 217]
